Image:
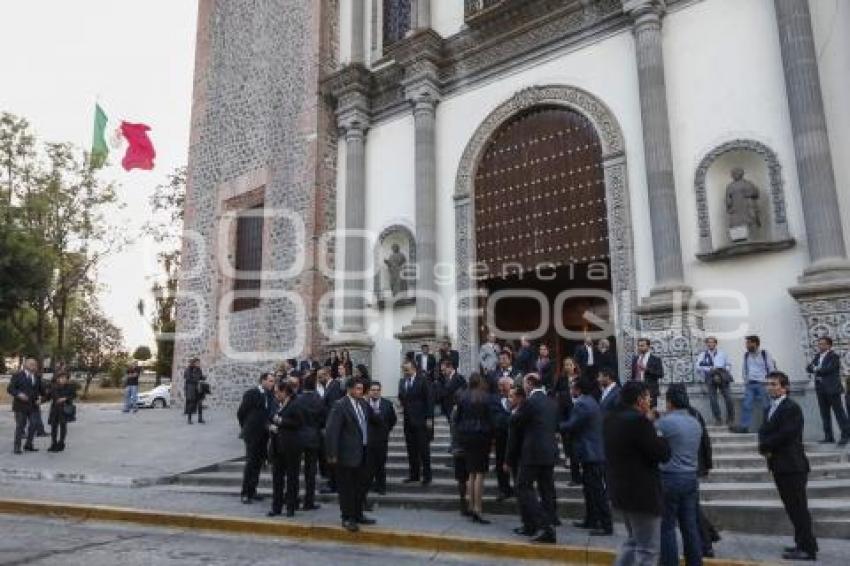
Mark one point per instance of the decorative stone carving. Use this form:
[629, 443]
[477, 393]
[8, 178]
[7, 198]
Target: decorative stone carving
[616, 193]
[395, 267]
[770, 231]
[825, 311]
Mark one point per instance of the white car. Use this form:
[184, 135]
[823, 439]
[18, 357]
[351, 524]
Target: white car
[158, 397]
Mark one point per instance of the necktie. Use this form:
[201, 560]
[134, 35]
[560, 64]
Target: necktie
[505, 404]
[360, 420]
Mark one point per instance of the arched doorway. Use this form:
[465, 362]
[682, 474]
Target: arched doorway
[525, 223]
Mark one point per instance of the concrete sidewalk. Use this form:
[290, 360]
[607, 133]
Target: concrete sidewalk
[108, 447]
[765, 549]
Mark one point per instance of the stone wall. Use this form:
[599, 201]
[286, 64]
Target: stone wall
[258, 122]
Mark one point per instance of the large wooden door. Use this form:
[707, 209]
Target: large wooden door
[541, 218]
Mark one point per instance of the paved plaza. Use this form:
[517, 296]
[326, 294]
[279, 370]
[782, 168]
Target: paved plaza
[109, 452]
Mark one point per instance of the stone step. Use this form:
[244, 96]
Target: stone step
[826, 471]
[831, 516]
[747, 491]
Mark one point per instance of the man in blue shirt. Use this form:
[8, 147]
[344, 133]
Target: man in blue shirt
[757, 364]
[712, 367]
[679, 480]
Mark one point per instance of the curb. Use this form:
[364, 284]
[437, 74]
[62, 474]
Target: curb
[385, 538]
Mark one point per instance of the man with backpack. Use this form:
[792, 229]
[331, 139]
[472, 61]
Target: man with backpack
[758, 363]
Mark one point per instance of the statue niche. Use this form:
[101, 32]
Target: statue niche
[395, 267]
[749, 212]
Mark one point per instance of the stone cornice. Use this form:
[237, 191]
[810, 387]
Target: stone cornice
[515, 35]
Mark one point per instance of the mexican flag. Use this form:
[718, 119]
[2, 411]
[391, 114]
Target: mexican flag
[140, 152]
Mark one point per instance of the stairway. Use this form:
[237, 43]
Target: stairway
[738, 494]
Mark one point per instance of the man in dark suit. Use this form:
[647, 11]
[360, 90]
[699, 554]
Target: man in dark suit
[647, 367]
[587, 358]
[254, 416]
[538, 419]
[451, 384]
[585, 429]
[379, 437]
[25, 388]
[308, 365]
[314, 413]
[447, 353]
[414, 393]
[426, 363]
[610, 390]
[781, 443]
[826, 368]
[525, 357]
[334, 391]
[504, 369]
[633, 451]
[346, 441]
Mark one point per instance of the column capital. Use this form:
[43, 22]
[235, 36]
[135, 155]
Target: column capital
[423, 92]
[352, 114]
[645, 11]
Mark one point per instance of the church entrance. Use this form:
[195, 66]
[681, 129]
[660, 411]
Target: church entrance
[541, 229]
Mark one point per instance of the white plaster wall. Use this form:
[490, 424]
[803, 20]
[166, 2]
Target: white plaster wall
[447, 16]
[344, 31]
[831, 23]
[724, 80]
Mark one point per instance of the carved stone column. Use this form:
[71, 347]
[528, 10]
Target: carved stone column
[824, 291]
[353, 121]
[423, 92]
[667, 316]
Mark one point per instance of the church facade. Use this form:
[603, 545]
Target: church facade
[374, 175]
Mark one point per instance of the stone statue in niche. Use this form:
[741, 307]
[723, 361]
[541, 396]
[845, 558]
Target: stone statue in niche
[395, 265]
[742, 207]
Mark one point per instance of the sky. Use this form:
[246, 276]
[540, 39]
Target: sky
[137, 60]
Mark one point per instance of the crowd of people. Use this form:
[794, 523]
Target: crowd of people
[518, 407]
[28, 392]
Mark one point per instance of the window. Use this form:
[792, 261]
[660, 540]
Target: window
[249, 257]
[396, 20]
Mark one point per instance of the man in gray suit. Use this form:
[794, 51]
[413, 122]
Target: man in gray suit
[346, 439]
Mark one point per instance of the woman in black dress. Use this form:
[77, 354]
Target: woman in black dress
[62, 394]
[474, 425]
[194, 390]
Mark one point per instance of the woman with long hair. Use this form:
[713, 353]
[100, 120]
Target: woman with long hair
[561, 392]
[473, 420]
[62, 394]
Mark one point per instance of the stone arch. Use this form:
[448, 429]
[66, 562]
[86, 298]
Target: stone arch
[777, 194]
[621, 241]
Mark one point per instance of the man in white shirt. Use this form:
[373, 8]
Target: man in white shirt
[488, 354]
[712, 366]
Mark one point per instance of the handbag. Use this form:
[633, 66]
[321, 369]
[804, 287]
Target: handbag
[70, 412]
[721, 376]
[204, 388]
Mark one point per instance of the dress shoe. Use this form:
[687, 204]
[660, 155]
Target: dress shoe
[601, 532]
[350, 526]
[256, 497]
[583, 525]
[556, 522]
[53, 448]
[290, 512]
[790, 549]
[476, 518]
[381, 491]
[61, 446]
[426, 482]
[545, 536]
[799, 555]
[844, 441]
[30, 448]
[524, 531]
[410, 480]
[826, 441]
[272, 513]
[311, 507]
[202, 421]
[368, 507]
[364, 520]
[17, 451]
[247, 500]
[708, 554]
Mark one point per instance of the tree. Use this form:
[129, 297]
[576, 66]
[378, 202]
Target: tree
[167, 202]
[95, 340]
[59, 202]
[142, 354]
